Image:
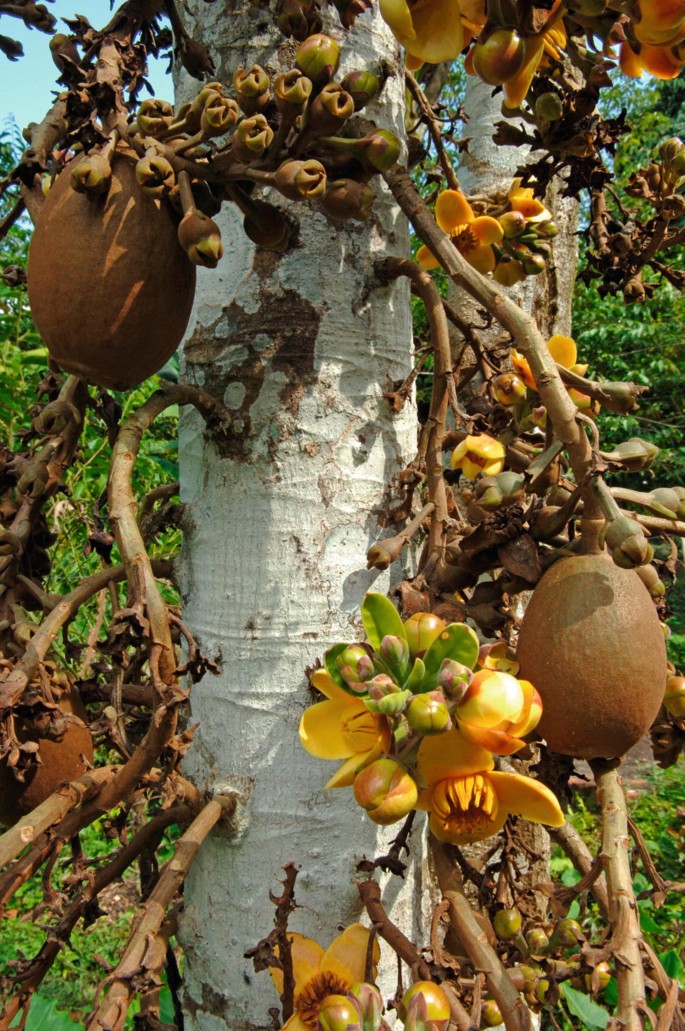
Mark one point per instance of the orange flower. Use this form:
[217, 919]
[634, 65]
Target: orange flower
[472, 235]
[497, 711]
[342, 728]
[661, 62]
[477, 454]
[523, 199]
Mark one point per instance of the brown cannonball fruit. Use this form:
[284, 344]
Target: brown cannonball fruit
[109, 285]
[60, 762]
[592, 645]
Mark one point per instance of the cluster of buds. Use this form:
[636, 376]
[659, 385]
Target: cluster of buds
[423, 1007]
[662, 181]
[289, 132]
[419, 711]
[527, 229]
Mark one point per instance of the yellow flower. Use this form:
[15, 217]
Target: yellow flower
[480, 453]
[468, 799]
[498, 710]
[342, 728]
[319, 974]
[563, 350]
[472, 235]
[431, 30]
[523, 199]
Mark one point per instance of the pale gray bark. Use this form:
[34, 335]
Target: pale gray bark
[278, 522]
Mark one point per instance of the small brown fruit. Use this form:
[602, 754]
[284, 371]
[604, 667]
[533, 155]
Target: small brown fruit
[109, 286]
[61, 761]
[592, 645]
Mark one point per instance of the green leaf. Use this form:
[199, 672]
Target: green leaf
[415, 678]
[673, 965]
[458, 642]
[44, 1016]
[582, 1006]
[381, 619]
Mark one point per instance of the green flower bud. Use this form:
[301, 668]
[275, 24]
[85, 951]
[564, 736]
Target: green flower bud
[548, 229]
[93, 174]
[537, 941]
[368, 1002]
[330, 109]
[491, 1014]
[318, 57]
[386, 791]
[650, 579]
[508, 388]
[422, 629]
[567, 932]
[513, 224]
[674, 697]
[548, 107]
[200, 238]
[627, 543]
[219, 116]
[634, 454]
[428, 713]
[507, 923]
[251, 138]
[301, 180]
[493, 492]
[155, 174]
[669, 149]
[292, 91]
[347, 199]
[454, 679]
[424, 1007]
[666, 502]
[363, 87]
[154, 117]
[252, 88]
[337, 1013]
[354, 664]
[380, 149]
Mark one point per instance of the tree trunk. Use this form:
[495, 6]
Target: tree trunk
[300, 347]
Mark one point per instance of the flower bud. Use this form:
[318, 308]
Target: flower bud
[674, 698]
[251, 138]
[498, 656]
[513, 223]
[507, 923]
[669, 149]
[633, 454]
[191, 114]
[673, 206]
[380, 150]
[155, 174]
[93, 174]
[424, 1006]
[428, 713]
[368, 1002]
[627, 543]
[602, 977]
[508, 272]
[266, 226]
[252, 88]
[363, 87]
[454, 679]
[329, 110]
[343, 199]
[537, 941]
[200, 238]
[219, 116]
[666, 501]
[337, 1013]
[491, 1014]
[300, 180]
[294, 18]
[318, 57]
[567, 932]
[493, 492]
[292, 91]
[354, 664]
[386, 791]
[422, 629]
[548, 107]
[154, 117]
[650, 579]
[634, 291]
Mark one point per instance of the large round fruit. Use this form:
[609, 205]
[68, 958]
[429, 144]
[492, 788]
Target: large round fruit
[60, 762]
[592, 645]
[109, 285]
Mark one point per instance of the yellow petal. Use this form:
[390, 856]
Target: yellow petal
[525, 797]
[563, 350]
[426, 258]
[306, 956]
[439, 35]
[397, 15]
[523, 368]
[323, 682]
[531, 711]
[450, 754]
[452, 210]
[501, 742]
[294, 1023]
[413, 63]
[322, 731]
[487, 230]
[344, 777]
[516, 88]
[482, 258]
[346, 956]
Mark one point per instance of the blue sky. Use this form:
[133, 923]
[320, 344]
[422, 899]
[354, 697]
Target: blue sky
[26, 84]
